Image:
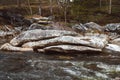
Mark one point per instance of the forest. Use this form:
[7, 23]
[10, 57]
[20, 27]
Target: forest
[100, 11]
[59, 40]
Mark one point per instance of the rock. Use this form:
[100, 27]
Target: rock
[14, 18]
[38, 26]
[9, 33]
[79, 28]
[9, 47]
[116, 41]
[113, 27]
[34, 35]
[42, 20]
[93, 26]
[71, 49]
[35, 26]
[111, 48]
[71, 40]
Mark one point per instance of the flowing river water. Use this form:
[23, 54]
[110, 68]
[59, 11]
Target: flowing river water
[40, 66]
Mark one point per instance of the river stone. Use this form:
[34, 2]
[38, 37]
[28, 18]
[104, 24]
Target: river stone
[116, 41]
[70, 49]
[4, 34]
[91, 41]
[93, 26]
[113, 27]
[9, 47]
[112, 48]
[38, 34]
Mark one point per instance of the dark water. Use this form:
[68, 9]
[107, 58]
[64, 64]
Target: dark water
[39, 66]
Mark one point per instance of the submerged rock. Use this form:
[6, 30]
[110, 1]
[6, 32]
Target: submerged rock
[9, 47]
[34, 35]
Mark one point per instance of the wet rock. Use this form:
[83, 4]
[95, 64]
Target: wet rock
[93, 26]
[113, 27]
[9, 33]
[71, 40]
[70, 49]
[34, 35]
[112, 48]
[9, 47]
[79, 28]
[38, 26]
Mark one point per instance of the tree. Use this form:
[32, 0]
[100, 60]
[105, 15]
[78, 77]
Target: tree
[30, 7]
[110, 6]
[51, 8]
[100, 4]
[40, 10]
[64, 4]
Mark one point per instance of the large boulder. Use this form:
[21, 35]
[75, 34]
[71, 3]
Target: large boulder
[91, 41]
[87, 27]
[112, 48]
[9, 47]
[38, 34]
[71, 49]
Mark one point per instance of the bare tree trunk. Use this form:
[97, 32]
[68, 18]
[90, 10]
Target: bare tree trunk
[110, 7]
[40, 10]
[30, 7]
[65, 15]
[100, 4]
[51, 8]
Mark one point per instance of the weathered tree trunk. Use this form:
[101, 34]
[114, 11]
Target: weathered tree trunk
[30, 7]
[100, 4]
[110, 6]
[40, 10]
[65, 15]
[51, 8]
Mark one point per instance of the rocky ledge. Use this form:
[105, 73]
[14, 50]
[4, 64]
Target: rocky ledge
[62, 41]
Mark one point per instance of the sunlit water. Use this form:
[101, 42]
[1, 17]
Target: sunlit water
[39, 66]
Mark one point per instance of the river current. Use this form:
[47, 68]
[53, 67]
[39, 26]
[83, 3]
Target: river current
[56, 66]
